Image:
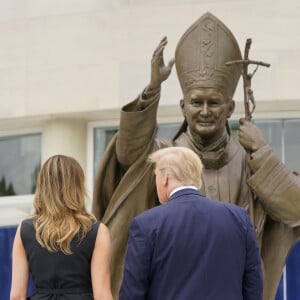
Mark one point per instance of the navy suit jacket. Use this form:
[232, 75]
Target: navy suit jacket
[192, 248]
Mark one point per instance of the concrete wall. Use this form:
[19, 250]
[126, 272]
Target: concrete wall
[75, 56]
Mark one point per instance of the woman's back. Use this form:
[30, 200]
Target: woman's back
[55, 274]
[62, 246]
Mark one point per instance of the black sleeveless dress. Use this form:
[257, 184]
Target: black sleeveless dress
[57, 276]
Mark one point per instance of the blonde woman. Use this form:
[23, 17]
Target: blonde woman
[62, 246]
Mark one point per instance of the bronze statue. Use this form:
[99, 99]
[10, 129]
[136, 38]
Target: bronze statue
[125, 184]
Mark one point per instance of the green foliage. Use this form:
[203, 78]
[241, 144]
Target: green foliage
[6, 190]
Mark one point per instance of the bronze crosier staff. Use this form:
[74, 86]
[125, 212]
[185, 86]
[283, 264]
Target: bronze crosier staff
[249, 100]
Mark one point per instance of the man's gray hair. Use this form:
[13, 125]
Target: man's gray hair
[181, 163]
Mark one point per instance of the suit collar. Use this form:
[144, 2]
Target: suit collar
[184, 191]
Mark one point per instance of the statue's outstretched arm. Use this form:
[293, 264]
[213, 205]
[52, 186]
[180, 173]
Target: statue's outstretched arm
[138, 118]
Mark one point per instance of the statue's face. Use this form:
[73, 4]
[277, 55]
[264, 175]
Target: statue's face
[206, 111]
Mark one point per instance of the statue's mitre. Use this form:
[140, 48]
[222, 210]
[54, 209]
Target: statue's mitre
[201, 55]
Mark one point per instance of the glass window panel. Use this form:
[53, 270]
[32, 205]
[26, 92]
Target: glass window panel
[271, 129]
[272, 132]
[234, 129]
[102, 137]
[167, 131]
[19, 164]
[292, 144]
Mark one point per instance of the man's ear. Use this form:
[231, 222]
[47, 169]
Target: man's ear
[166, 179]
[182, 107]
[231, 106]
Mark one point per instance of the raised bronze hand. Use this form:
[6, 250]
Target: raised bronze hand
[159, 71]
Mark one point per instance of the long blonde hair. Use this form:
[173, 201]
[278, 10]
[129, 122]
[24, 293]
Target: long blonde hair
[59, 204]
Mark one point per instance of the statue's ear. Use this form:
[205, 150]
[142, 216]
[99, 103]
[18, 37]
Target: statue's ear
[182, 107]
[231, 106]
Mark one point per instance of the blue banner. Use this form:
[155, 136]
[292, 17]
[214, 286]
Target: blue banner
[7, 235]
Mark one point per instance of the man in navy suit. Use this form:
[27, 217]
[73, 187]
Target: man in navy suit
[190, 247]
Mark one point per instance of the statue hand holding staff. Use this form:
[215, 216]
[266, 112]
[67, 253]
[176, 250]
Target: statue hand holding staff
[250, 137]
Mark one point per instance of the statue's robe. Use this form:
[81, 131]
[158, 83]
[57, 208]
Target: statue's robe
[125, 187]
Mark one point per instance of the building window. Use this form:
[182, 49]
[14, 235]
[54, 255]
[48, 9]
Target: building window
[274, 134]
[102, 137]
[292, 144]
[19, 164]
[282, 135]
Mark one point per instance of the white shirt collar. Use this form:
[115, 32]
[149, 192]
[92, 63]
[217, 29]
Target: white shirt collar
[179, 188]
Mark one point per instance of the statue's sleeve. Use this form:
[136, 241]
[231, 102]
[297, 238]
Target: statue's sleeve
[133, 140]
[277, 187]
[137, 129]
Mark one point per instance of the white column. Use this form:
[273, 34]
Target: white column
[67, 137]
